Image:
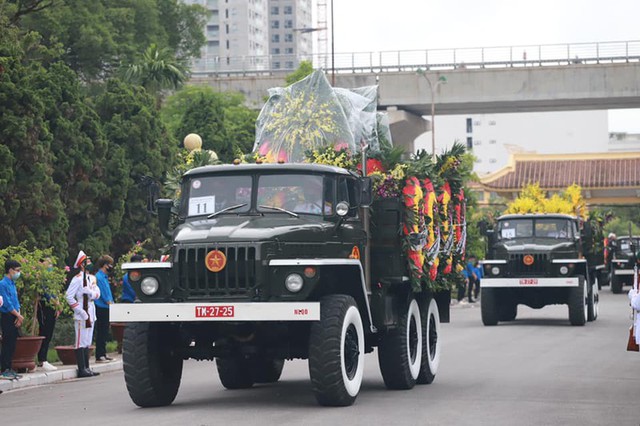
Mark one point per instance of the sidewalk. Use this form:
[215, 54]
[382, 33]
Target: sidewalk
[64, 372]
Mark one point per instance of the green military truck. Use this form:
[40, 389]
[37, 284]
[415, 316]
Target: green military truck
[538, 260]
[272, 262]
[621, 266]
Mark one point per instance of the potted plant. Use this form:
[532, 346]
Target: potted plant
[37, 277]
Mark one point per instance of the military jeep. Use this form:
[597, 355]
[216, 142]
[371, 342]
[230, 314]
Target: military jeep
[538, 260]
[272, 262]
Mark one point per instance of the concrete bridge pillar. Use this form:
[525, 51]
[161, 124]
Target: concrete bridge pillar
[406, 127]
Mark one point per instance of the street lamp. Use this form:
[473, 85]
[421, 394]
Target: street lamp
[433, 87]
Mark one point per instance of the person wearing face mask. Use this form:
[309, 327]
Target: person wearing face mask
[11, 320]
[84, 316]
[104, 265]
[48, 311]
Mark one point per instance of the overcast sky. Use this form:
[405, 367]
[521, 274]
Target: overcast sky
[379, 25]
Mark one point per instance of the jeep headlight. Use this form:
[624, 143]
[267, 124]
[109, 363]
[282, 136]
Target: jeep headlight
[149, 286]
[564, 270]
[294, 283]
[495, 270]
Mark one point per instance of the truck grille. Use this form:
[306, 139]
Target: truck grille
[238, 278]
[538, 268]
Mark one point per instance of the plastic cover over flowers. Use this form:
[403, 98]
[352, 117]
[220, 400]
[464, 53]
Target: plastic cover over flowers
[310, 115]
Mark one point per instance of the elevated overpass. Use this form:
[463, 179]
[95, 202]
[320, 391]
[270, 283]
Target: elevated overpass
[483, 80]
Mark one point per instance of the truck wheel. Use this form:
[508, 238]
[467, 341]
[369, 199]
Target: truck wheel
[400, 350]
[508, 311]
[593, 301]
[267, 370]
[152, 370]
[235, 373]
[336, 351]
[430, 318]
[616, 284]
[489, 306]
[578, 302]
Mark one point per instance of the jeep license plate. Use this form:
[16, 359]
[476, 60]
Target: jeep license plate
[529, 281]
[218, 311]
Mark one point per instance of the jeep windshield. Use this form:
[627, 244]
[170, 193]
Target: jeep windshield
[514, 229]
[624, 243]
[271, 193]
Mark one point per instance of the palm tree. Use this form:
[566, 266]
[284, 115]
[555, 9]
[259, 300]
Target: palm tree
[158, 70]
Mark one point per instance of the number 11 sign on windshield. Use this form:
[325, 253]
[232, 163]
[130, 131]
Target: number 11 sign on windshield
[201, 205]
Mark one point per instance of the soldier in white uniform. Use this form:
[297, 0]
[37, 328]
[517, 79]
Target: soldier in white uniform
[75, 295]
[634, 298]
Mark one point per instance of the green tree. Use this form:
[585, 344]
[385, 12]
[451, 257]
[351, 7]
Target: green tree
[99, 36]
[305, 68]
[140, 155]
[157, 70]
[30, 206]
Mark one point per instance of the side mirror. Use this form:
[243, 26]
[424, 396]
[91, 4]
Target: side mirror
[164, 206]
[483, 227]
[490, 233]
[366, 191]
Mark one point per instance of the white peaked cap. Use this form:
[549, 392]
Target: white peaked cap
[81, 258]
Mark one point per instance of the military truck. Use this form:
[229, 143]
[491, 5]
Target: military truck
[273, 262]
[621, 266]
[538, 260]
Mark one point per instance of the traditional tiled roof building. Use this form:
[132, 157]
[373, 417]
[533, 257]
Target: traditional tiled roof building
[605, 178]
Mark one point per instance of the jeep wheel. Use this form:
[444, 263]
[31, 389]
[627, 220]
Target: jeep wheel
[152, 370]
[431, 345]
[267, 370]
[508, 311]
[336, 351]
[616, 284]
[489, 306]
[594, 299]
[236, 372]
[578, 302]
[400, 349]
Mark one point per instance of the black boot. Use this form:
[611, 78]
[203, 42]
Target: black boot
[86, 362]
[82, 364]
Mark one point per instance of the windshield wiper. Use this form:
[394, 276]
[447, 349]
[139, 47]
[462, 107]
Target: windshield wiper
[237, 206]
[279, 209]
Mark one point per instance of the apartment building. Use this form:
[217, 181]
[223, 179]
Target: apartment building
[245, 35]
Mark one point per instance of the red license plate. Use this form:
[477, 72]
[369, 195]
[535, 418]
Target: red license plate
[223, 311]
[529, 281]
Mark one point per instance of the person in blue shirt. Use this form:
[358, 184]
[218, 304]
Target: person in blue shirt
[11, 319]
[104, 265]
[474, 280]
[128, 294]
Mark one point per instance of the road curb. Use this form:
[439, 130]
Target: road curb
[39, 378]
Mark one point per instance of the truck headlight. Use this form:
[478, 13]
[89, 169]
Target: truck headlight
[294, 283]
[149, 286]
[564, 270]
[495, 270]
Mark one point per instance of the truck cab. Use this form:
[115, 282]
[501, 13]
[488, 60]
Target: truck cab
[538, 260]
[622, 262]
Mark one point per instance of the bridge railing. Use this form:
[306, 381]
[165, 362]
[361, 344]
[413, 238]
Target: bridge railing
[431, 59]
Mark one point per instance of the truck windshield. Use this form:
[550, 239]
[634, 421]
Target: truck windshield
[540, 228]
[210, 194]
[625, 243]
[295, 193]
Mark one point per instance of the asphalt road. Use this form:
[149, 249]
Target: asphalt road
[538, 370]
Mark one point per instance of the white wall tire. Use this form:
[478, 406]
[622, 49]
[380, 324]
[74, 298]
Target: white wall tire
[336, 351]
[431, 345]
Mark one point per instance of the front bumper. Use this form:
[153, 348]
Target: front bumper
[623, 272]
[529, 282]
[182, 312]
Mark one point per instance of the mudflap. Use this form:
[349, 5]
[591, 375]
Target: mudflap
[443, 300]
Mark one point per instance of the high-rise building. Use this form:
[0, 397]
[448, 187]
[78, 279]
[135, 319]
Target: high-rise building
[254, 34]
[290, 29]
